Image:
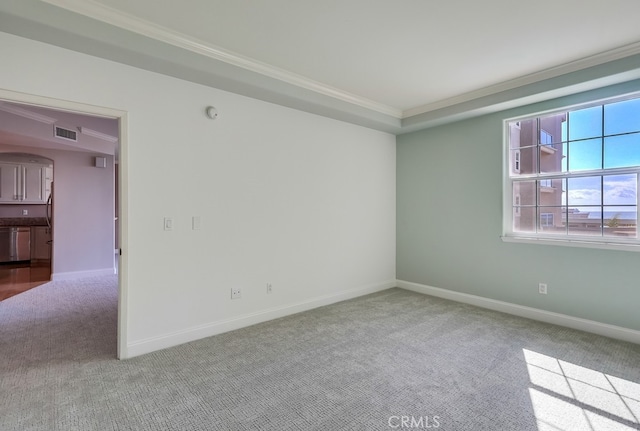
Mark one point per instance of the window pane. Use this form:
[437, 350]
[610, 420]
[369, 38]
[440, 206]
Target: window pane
[621, 222]
[552, 220]
[550, 192]
[585, 155]
[526, 190]
[551, 159]
[584, 191]
[622, 117]
[526, 220]
[528, 160]
[523, 134]
[620, 189]
[585, 221]
[514, 134]
[585, 123]
[552, 128]
[622, 151]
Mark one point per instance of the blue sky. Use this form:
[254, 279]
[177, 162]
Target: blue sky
[585, 152]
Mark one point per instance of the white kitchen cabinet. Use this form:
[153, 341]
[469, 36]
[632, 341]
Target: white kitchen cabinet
[8, 182]
[40, 243]
[34, 184]
[24, 183]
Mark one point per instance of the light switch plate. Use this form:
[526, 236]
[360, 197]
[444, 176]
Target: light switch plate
[168, 223]
[195, 223]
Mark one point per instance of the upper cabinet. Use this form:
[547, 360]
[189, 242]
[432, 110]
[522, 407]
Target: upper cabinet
[24, 181]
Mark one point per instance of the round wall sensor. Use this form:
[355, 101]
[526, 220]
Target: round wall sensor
[211, 112]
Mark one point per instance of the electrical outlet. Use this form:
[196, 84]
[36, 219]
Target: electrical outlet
[542, 288]
[269, 288]
[236, 293]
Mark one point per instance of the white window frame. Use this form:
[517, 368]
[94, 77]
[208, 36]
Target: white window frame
[509, 212]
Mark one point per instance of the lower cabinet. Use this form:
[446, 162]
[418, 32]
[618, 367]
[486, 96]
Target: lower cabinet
[40, 243]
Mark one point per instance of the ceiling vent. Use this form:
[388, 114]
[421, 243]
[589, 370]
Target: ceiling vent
[68, 134]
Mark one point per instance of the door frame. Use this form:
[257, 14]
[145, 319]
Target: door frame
[122, 192]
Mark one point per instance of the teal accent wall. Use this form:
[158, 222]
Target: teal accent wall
[449, 223]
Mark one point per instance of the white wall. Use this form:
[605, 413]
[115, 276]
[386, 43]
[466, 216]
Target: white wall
[83, 228]
[301, 201]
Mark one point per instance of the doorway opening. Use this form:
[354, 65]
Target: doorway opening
[83, 213]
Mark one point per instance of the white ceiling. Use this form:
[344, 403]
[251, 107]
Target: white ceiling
[407, 53]
[396, 59]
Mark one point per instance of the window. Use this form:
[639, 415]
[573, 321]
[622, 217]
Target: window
[573, 175]
[546, 220]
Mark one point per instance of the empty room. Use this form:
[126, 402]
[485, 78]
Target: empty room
[337, 215]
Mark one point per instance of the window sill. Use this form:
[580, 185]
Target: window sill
[573, 242]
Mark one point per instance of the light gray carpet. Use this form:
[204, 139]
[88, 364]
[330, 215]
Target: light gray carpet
[362, 364]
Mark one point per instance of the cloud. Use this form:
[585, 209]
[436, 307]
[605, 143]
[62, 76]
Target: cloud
[617, 189]
[620, 190]
[584, 197]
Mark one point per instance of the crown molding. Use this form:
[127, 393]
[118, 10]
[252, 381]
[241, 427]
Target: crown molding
[98, 135]
[553, 72]
[145, 28]
[25, 113]
[340, 104]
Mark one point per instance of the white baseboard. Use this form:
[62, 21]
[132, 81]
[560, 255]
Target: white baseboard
[77, 275]
[214, 328]
[594, 327]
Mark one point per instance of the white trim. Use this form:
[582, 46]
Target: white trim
[134, 24]
[59, 104]
[152, 344]
[26, 113]
[137, 25]
[591, 326]
[586, 243]
[573, 66]
[105, 137]
[78, 275]
[123, 240]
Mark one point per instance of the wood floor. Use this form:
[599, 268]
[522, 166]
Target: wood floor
[16, 278]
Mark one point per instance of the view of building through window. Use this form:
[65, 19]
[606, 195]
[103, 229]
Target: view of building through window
[576, 172]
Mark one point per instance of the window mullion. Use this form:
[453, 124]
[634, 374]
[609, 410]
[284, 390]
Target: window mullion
[590, 173]
[602, 140]
[602, 167]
